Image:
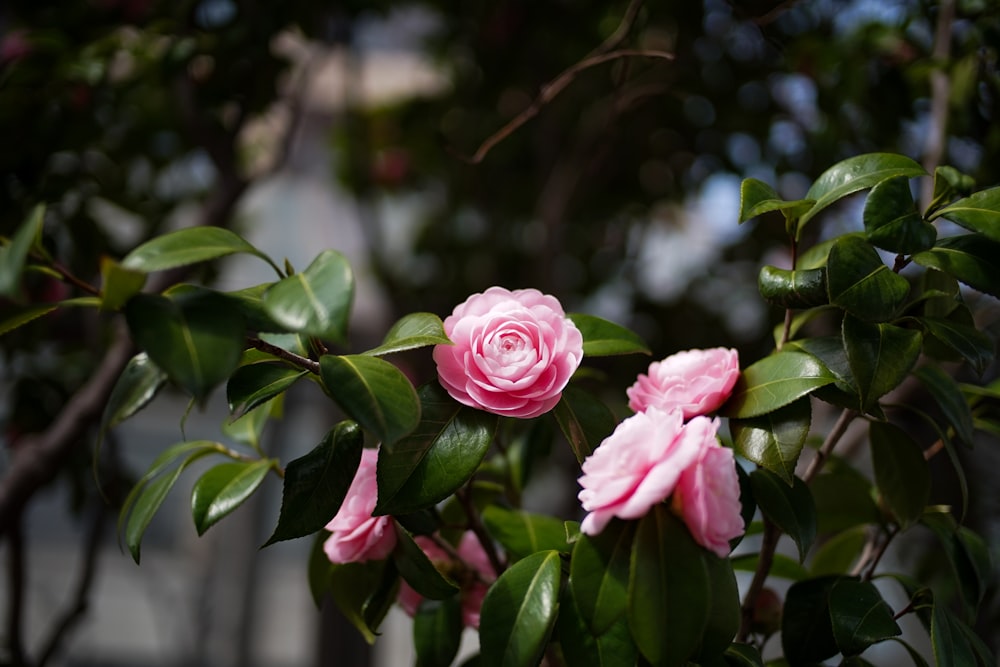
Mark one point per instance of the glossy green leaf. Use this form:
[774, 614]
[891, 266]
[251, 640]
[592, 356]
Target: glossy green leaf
[939, 293]
[584, 420]
[255, 384]
[743, 655]
[187, 246]
[901, 473]
[250, 301]
[949, 399]
[223, 488]
[880, 356]
[418, 570]
[790, 508]
[581, 648]
[437, 632]
[373, 392]
[135, 388]
[413, 331]
[757, 198]
[356, 588]
[806, 627]
[519, 612]
[197, 339]
[844, 499]
[968, 557]
[775, 440]
[599, 573]
[523, 533]
[438, 457]
[774, 382]
[782, 566]
[854, 174]
[668, 590]
[830, 352]
[861, 284]
[972, 258]
[119, 284]
[892, 221]
[316, 483]
[979, 212]
[317, 301]
[723, 611]
[859, 615]
[972, 344]
[839, 554]
[790, 288]
[602, 338]
[951, 649]
[948, 184]
[14, 257]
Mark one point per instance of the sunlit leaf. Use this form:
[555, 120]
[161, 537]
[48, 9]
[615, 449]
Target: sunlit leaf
[603, 338]
[775, 440]
[892, 221]
[188, 246]
[971, 258]
[119, 284]
[774, 382]
[757, 198]
[373, 392]
[413, 331]
[317, 301]
[223, 488]
[979, 212]
[135, 388]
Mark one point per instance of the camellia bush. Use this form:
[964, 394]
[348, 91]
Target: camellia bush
[415, 499]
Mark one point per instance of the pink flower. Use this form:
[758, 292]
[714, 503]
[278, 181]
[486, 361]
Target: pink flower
[639, 465]
[697, 381]
[357, 535]
[707, 497]
[473, 579]
[513, 352]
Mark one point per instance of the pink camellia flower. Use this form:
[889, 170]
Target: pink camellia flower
[473, 579]
[357, 535]
[707, 497]
[696, 381]
[513, 352]
[639, 465]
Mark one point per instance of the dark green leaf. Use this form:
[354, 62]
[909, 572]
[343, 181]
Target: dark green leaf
[581, 648]
[830, 352]
[901, 473]
[248, 428]
[523, 533]
[757, 198]
[843, 498]
[119, 284]
[880, 356]
[223, 488]
[197, 339]
[806, 628]
[437, 632]
[949, 399]
[854, 174]
[859, 615]
[838, 554]
[251, 303]
[951, 649]
[915, 656]
[373, 392]
[861, 284]
[357, 588]
[413, 331]
[774, 441]
[791, 508]
[13, 257]
[602, 338]
[979, 212]
[187, 246]
[439, 456]
[774, 382]
[782, 566]
[940, 293]
[793, 288]
[723, 610]
[317, 301]
[584, 420]
[134, 389]
[968, 341]
[599, 573]
[18, 316]
[319, 569]
[668, 590]
[892, 221]
[973, 259]
[316, 484]
[418, 570]
[966, 554]
[519, 611]
[255, 384]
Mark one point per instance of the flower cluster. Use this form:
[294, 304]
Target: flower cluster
[357, 535]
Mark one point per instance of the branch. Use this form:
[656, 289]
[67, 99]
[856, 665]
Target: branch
[836, 433]
[281, 353]
[615, 39]
[940, 91]
[768, 545]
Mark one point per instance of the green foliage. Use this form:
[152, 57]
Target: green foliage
[223, 488]
[603, 338]
[317, 301]
[412, 331]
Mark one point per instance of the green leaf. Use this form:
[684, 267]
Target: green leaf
[743, 655]
[951, 649]
[319, 569]
[790, 508]
[598, 575]
[437, 632]
[854, 174]
[413, 331]
[859, 616]
[968, 557]
[774, 382]
[373, 392]
[979, 212]
[119, 284]
[892, 221]
[602, 338]
[806, 627]
[880, 356]
[523, 533]
[356, 588]
[724, 608]
[519, 612]
[782, 566]
[861, 284]
[950, 399]
[418, 570]
[188, 246]
[437, 458]
[843, 498]
[14, 257]
[775, 440]
[757, 198]
[948, 184]
[18, 316]
[135, 388]
[584, 420]
[197, 339]
[901, 473]
[251, 303]
[830, 352]
[668, 590]
[223, 488]
[581, 648]
[317, 301]
[316, 484]
[793, 288]
[255, 384]
[248, 428]
[972, 344]
[915, 656]
[972, 259]
[838, 554]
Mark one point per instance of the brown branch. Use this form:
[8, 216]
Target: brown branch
[550, 90]
[768, 545]
[281, 353]
[940, 92]
[816, 465]
[621, 33]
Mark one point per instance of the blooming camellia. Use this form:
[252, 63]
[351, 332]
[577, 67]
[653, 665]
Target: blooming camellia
[356, 534]
[696, 381]
[707, 497]
[473, 582]
[513, 352]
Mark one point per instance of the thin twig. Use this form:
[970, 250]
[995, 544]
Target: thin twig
[621, 33]
[940, 92]
[836, 433]
[768, 545]
[281, 353]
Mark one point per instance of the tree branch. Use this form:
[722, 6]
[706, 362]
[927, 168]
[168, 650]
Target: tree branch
[281, 353]
[940, 91]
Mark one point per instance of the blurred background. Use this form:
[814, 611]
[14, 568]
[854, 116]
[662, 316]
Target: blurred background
[443, 147]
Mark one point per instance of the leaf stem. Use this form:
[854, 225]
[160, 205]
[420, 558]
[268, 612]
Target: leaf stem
[285, 355]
